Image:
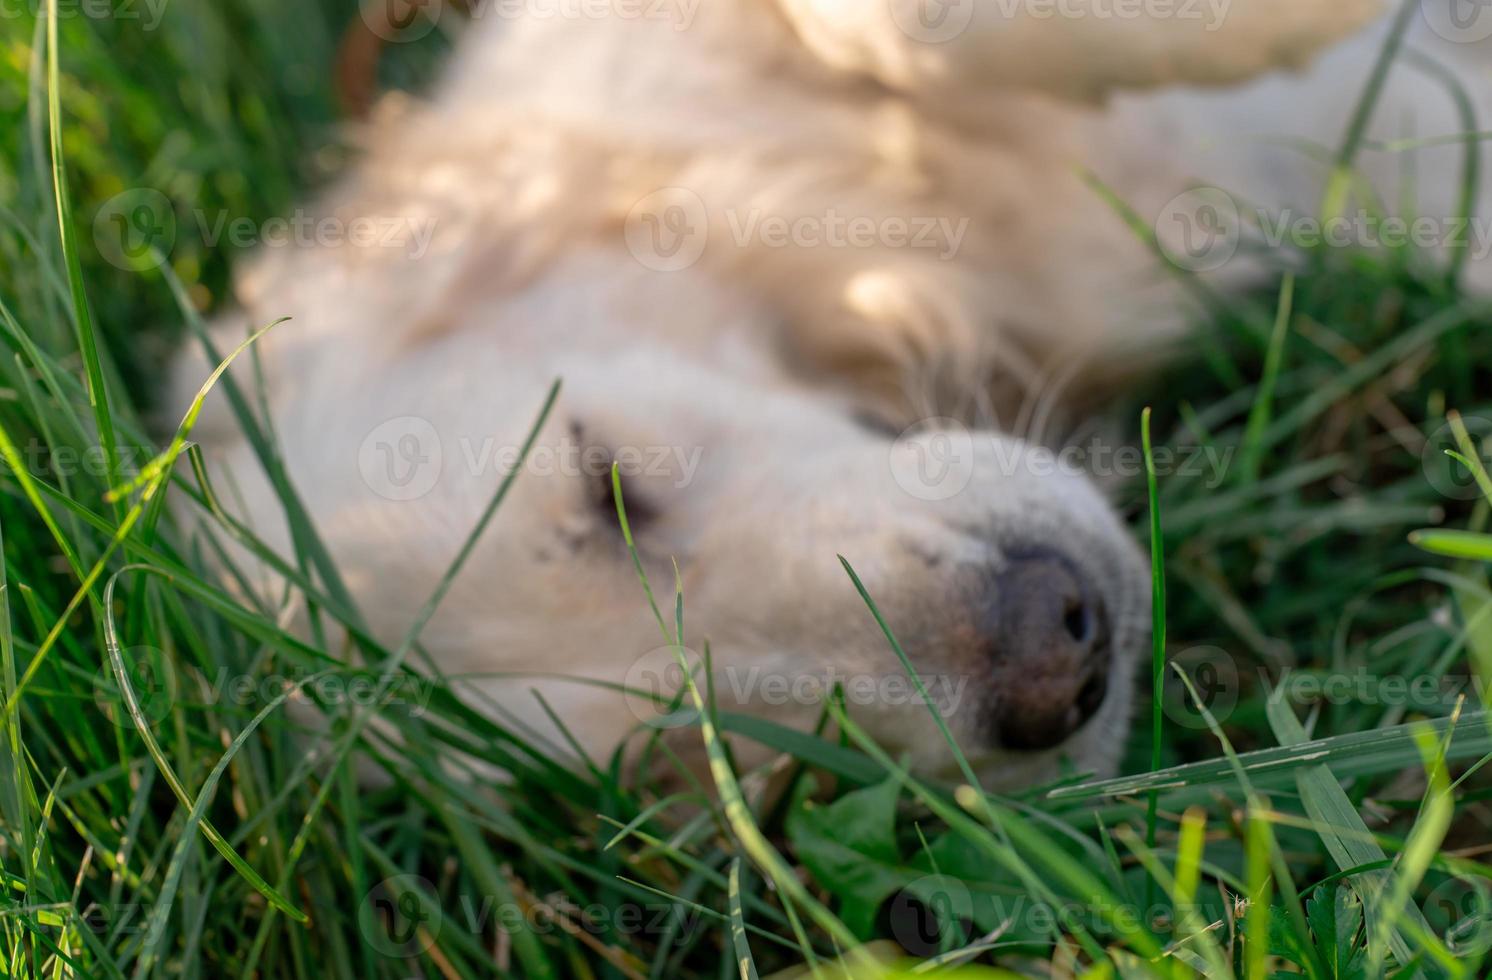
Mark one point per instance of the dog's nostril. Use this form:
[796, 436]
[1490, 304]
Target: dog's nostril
[1049, 637]
[1091, 697]
[1046, 711]
[1079, 624]
[1045, 600]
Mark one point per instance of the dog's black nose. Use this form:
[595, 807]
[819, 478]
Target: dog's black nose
[1051, 646]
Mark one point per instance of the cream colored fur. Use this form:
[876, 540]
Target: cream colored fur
[533, 163]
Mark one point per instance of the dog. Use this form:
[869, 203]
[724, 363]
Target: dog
[817, 277]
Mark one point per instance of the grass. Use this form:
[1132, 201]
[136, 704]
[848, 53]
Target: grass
[151, 822]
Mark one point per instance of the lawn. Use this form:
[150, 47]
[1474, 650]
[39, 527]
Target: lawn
[1316, 802]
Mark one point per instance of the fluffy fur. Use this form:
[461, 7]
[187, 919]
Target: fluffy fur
[536, 167]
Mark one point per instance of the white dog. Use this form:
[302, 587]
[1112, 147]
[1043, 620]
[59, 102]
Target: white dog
[757, 239]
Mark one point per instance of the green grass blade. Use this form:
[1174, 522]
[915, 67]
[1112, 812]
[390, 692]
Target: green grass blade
[98, 395]
[1331, 813]
[1454, 544]
[1258, 420]
[1157, 625]
[1339, 184]
[745, 962]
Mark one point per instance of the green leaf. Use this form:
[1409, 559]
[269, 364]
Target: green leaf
[850, 846]
[1335, 915]
[1339, 825]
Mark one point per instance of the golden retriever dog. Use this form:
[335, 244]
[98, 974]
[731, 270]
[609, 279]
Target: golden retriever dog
[819, 276]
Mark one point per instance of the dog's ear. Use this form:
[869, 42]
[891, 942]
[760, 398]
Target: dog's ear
[952, 50]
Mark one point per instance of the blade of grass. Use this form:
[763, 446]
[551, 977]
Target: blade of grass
[1331, 812]
[1260, 887]
[737, 813]
[745, 962]
[1258, 420]
[98, 396]
[150, 952]
[1157, 635]
[1354, 753]
[1340, 182]
[1294, 910]
[161, 470]
[1454, 544]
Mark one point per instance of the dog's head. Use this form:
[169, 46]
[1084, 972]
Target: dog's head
[1019, 598]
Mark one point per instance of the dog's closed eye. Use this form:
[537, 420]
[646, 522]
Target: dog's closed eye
[602, 494]
[877, 423]
[603, 475]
